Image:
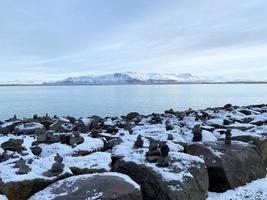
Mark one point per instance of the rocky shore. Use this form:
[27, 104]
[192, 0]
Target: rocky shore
[214, 153]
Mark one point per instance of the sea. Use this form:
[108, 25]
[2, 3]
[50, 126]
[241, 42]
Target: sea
[117, 100]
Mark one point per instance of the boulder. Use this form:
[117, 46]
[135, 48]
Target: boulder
[62, 125]
[185, 177]
[76, 140]
[42, 138]
[13, 145]
[83, 125]
[96, 123]
[23, 189]
[113, 142]
[132, 115]
[29, 128]
[106, 186]
[36, 150]
[227, 106]
[245, 112]
[260, 143]
[8, 127]
[229, 166]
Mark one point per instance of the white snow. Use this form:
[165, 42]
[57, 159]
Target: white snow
[29, 126]
[2, 197]
[256, 190]
[94, 161]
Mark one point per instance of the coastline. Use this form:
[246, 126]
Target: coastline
[182, 83]
[182, 150]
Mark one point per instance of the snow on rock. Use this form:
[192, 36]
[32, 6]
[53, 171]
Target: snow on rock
[93, 186]
[98, 161]
[9, 174]
[29, 126]
[89, 145]
[208, 136]
[182, 169]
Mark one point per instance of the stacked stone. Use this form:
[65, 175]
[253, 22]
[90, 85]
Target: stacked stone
[158, 152]
[23, 167]
[139, 142]
[197, 133]
[228, 135]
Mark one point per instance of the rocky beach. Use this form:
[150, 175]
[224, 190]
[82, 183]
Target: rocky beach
[213, 153]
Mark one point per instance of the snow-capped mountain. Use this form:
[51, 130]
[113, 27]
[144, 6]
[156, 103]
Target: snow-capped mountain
[133, 78]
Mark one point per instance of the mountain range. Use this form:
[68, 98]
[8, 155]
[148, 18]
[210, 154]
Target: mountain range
[134, 78]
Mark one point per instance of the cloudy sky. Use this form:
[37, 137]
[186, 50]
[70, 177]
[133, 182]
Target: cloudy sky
[52, 39]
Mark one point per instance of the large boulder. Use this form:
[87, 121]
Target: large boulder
[229, 166]
[22, 190]
[260, 143]
[106, 186]
[184, 178]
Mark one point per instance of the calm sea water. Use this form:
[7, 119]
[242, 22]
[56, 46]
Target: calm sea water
[118, 100]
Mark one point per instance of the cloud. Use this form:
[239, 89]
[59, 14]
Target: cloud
[210, 37]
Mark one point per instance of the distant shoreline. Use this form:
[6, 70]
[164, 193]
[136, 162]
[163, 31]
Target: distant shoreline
[182, 83]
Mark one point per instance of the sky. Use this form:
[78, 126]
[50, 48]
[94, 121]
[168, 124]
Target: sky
[44, 40]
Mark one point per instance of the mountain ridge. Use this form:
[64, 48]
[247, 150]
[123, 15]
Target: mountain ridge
[133, 78]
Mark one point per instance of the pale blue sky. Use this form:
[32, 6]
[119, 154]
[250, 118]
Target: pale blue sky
[51, 39]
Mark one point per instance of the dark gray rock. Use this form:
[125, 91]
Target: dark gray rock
[139, 142]
[57, 167]
[83, 127]
[197, 133]
[36, 150]
[97, 123]
[227, 106]
[13, 145]
[229, 166]
[24, 169]
[22, 190]
[8, 127]
[62, 126]
[58, 158]
[106, 186]
[157, 187]
[132, 115]
[29, 128]
[260, 143]
[170, 137]
[76, 140]
[42, 138]
[245, 112]
[227, 122]
[113, 142]
[169, 126]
